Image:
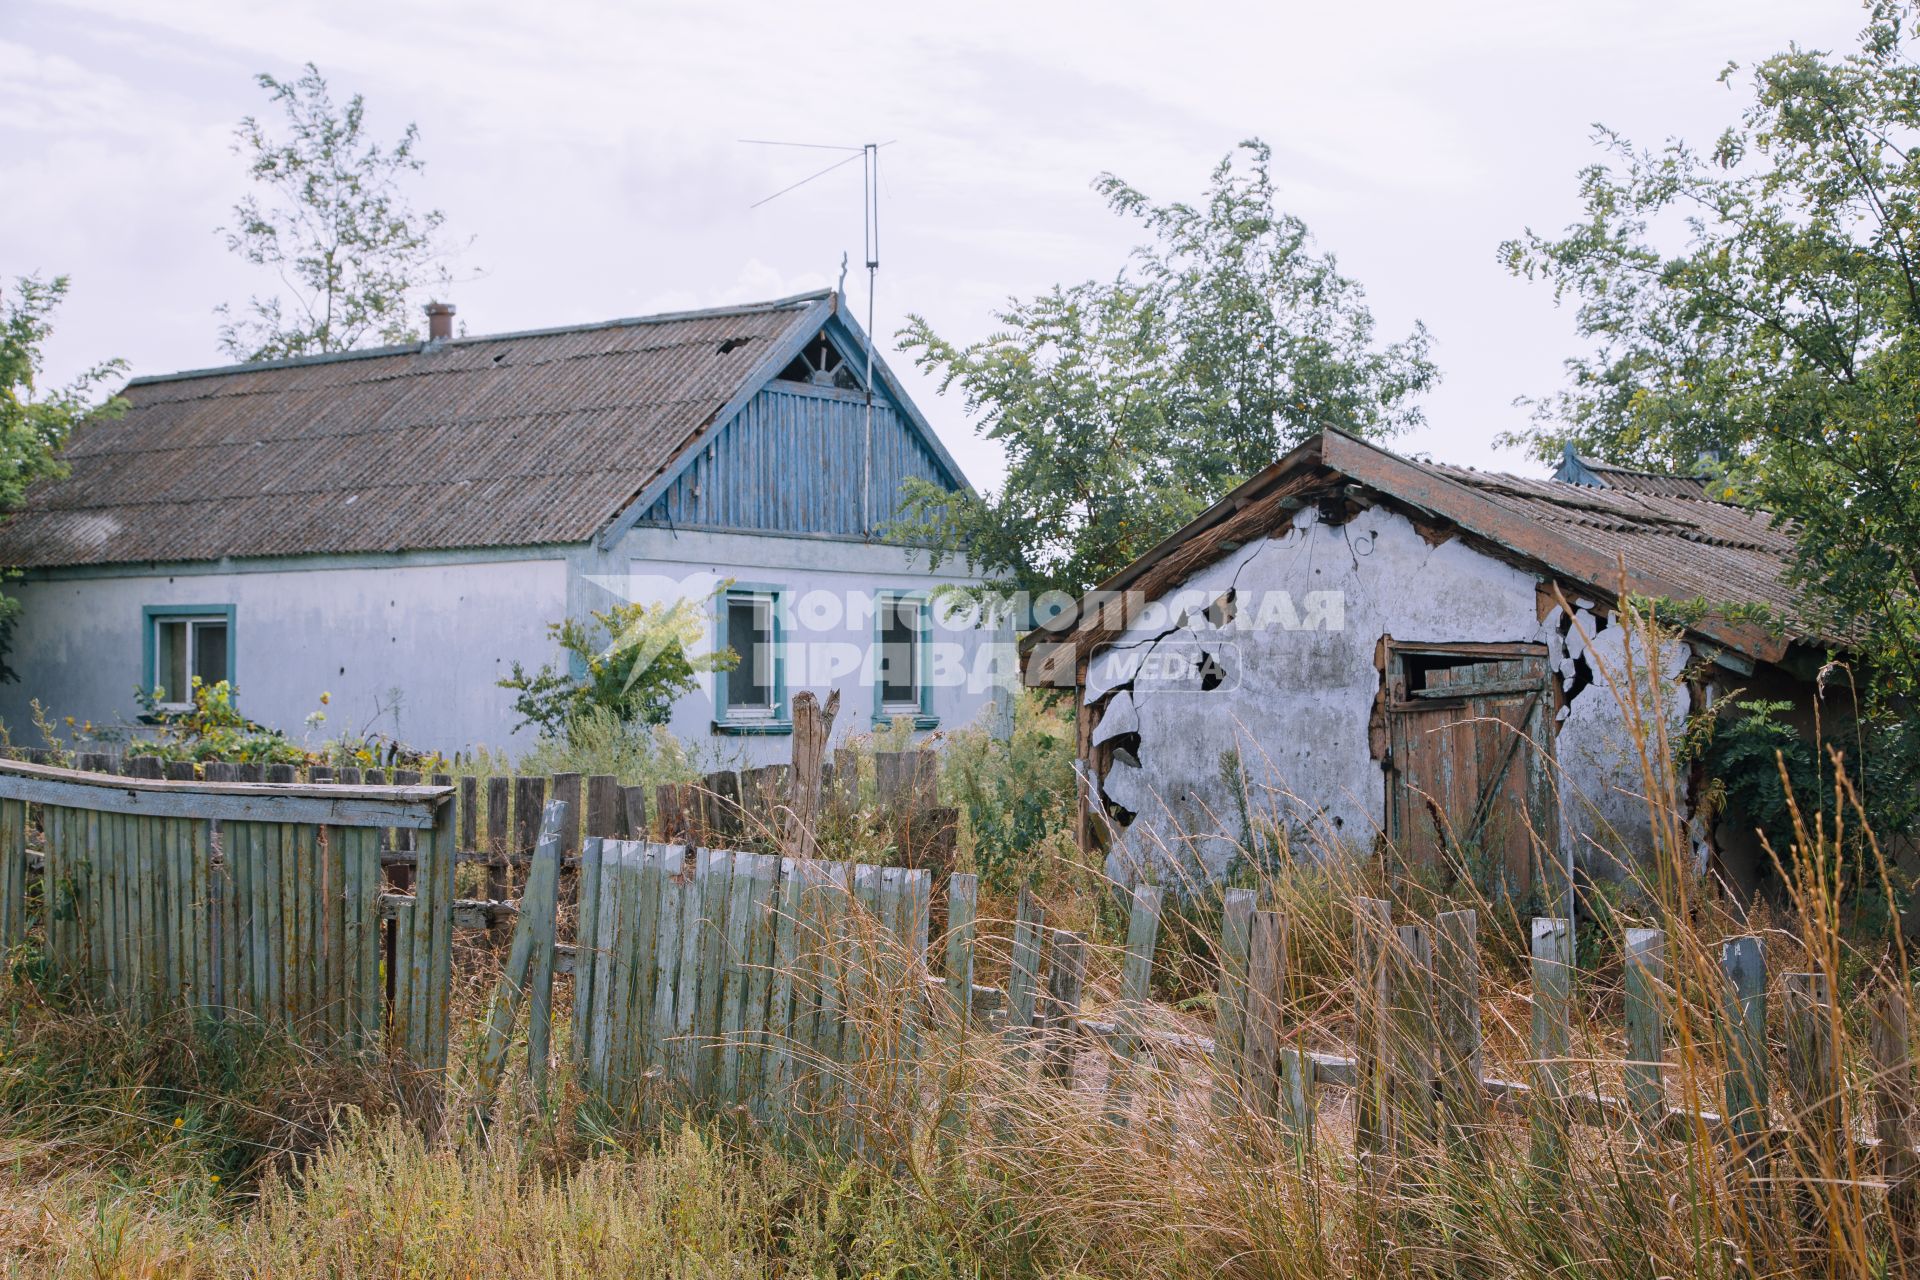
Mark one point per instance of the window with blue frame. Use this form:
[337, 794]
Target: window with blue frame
[751, 698]
[902, 659]
[184, 643]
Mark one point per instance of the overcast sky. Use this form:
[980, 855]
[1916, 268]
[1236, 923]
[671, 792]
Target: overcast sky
[592, 153]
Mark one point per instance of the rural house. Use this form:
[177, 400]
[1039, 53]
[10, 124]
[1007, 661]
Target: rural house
[397, 527]
[1353, 645]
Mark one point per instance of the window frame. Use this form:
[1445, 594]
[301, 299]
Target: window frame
[152, 615]
[922, 704]
[731, 720]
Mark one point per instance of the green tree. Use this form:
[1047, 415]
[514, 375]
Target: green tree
[1126, 406]
[1755, 308]
[332, 221]
[634, 661]
[35, 421]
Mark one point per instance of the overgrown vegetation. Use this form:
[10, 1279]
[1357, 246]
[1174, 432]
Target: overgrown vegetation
[36, 420]
[1754, 312]
[1127, 405]
[630, 662]
[333, 224]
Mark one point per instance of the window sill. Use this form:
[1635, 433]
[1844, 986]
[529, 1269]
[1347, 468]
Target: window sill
[746, 728]
[919, 721]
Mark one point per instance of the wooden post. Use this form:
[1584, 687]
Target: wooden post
[1023, 976]
[1456, 1010]
[499, 845]
[1743, 962]
[1296, 1098]
[1372, 934]
[1266, 995]
[605, 815]
[1064, 982]
[1552, 1046]
[1646, 1016]
[633, 803]
[1143, 932]
[1813, 1077]
[1891, 1088]
[812, 727]
[566, 789]
[1229, 1066]
[1411, 1039]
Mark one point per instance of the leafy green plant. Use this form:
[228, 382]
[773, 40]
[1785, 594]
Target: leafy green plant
[1017, 793]
[632, 661]
[212, 729]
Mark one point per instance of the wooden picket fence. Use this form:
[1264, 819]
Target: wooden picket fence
[806, 993]
[238, 899]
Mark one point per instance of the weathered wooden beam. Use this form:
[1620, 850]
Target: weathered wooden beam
[406, 807]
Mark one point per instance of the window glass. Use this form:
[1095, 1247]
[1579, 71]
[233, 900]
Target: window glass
[170, 658]
[210, 651]
[185, 648]
[899, 653]
[750, 636]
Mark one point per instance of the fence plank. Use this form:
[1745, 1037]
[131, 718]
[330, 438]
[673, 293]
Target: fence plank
[750, 1084]
[499, 846]
[566, 789]
[1551, 1045]
[633, 802]
[1024, 974]
[1229, 1072]
[783, 1000]
[1265, 995]
[538, 901]
[1296, 1098]
[1143, 931]
[1743, 963]
[716, 894]
[732, 979]
[1065, 981]
[1646, 1019]
[1813, 1079]
[605, 815]
[586, 938]
[1456, 1010]
[1891, 1087]
[1372, 934]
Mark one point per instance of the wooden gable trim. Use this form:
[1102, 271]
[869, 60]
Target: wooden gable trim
[811, 321]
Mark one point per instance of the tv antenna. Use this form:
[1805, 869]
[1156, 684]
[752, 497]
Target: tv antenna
[869, 156]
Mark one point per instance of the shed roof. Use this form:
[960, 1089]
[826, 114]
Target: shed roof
[511, 439]
[1671, 546]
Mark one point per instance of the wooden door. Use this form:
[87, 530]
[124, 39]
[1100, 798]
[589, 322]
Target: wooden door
[1469, 790]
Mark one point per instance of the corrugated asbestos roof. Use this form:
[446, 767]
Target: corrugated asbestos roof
[516, 439]
[1657, 483]
[1699, 548]
[1676, 546]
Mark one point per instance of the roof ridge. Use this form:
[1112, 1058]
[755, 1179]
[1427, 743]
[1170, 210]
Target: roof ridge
[792, 301]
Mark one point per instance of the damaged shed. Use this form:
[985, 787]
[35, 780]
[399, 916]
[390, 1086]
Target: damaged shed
[1354, 649]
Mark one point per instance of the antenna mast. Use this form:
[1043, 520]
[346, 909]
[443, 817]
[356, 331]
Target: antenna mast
[870, 174]
[869, 157]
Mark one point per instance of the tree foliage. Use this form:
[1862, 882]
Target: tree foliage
[333, 222]
[1126, 406]
[633, 662]
[1755, 308]
[35, 421]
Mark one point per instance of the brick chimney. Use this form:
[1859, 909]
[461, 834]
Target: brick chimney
[439, 321]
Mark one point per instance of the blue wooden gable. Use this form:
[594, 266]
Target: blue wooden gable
[787, 456]
[790, 462]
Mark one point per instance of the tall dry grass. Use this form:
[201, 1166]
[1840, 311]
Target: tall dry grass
[994, 1167]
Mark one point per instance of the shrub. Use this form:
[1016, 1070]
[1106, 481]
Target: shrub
[1017, 793]
[633, 661]
[213, 729]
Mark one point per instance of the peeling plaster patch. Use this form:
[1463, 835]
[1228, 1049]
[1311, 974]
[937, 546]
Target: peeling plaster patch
[1603, 806]
[1297, 718]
